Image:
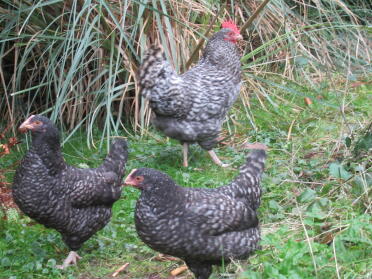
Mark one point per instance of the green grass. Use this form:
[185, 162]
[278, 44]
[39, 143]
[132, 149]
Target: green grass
[316, 204]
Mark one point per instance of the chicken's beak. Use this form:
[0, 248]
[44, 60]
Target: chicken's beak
[26, 125]
[129, 181]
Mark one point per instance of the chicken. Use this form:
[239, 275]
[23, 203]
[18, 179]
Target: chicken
[192, 107]
[204, 227]
[75, 202]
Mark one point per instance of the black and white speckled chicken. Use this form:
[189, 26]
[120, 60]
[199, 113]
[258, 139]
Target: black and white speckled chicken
[76, 202]
[204, 227]
[192, 107]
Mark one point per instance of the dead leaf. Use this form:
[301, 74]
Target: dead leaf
[308, 101]
[327, 238]
[6, 198]
[13, 141]
[5, 148]
[312, 154]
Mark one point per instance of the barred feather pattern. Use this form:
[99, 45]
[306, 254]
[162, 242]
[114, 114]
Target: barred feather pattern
[76, 202]
[191, 107]
[202, 226]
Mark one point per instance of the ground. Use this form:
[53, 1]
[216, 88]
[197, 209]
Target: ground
[316, 204]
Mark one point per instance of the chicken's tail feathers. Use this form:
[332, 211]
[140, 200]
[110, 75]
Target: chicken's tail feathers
[151, 67]
[255, 164]
[119, 145]
[117, 157]
[256, 159]
[246, 184]
[162, 86]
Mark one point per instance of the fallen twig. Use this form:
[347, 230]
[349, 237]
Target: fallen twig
[163, 258]
[120, 269]
[178, 270]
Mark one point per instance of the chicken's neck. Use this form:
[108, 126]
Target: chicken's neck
[223, 56]
[49, 151]
[166, 197]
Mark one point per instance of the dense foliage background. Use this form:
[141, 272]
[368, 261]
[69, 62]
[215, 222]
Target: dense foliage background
[77, 60]
[306, 94]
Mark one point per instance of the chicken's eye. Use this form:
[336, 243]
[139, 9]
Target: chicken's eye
[229, 35]
[139, 178]
[37, 122]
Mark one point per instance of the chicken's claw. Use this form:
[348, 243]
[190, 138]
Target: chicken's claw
[71, 259]
[216, 160]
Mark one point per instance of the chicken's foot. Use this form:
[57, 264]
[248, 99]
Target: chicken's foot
[71, 259]
[216, 160]
[185, 151]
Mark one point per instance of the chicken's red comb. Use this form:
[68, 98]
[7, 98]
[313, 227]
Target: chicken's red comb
[231, 25]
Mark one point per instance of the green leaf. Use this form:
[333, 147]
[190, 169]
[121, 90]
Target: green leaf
[274, 205]
[364, 143]
[83, 166]
[51, 263]
[323, 202]
[315, 210]
[348, 141]
[336, 170]
[301, 61]
[5, 262]
[307, 196]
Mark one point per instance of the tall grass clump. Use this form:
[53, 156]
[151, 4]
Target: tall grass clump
[77, 61]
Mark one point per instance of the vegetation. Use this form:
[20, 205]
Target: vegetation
[315, 214]
[77, 60]
[307, 95]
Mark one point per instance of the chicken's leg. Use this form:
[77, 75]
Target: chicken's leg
[72, 258]
[185, 151]
[216, 160]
